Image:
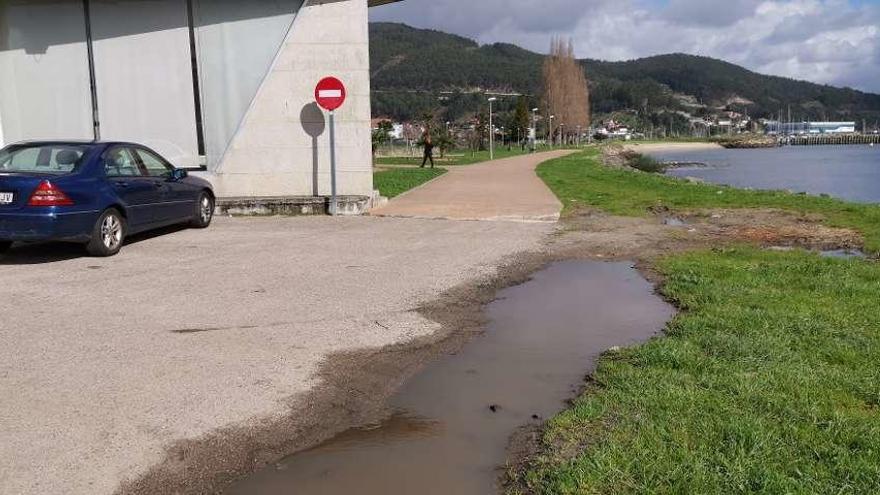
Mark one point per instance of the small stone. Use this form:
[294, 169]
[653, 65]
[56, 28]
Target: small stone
[494, 408]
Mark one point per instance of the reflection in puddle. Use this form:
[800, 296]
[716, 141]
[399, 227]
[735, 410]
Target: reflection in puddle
[844, 254]
[455, 418]
[830, 253]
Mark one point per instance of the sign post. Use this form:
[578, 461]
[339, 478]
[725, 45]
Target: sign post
[330, 95]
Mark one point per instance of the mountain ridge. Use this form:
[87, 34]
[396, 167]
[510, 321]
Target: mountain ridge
[409, 66]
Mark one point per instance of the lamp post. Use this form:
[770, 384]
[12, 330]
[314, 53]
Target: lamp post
[562, 134]
[491, 130]
[550, 138]
[533, 135]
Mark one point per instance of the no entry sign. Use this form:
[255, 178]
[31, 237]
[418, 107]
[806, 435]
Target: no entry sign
[330, 93]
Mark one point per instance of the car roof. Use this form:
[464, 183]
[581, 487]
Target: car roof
[77, 142]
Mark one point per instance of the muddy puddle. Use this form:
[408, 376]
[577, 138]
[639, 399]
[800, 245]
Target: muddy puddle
[829, 253]
[844, 254]
[448, 428]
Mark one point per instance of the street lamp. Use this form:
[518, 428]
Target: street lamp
[550, 131]
[534, 134]
[491, 130]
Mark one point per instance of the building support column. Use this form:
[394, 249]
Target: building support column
[197, 91]
[90, 49]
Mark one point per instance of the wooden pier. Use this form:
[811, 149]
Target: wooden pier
[825, 139]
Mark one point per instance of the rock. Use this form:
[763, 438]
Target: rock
[494, 408]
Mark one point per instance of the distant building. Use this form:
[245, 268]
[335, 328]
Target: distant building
[799, 128]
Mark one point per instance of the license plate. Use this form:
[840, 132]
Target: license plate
[6, 198]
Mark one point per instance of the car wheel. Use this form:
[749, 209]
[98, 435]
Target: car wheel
[204, 211]
[4, 246]
[108, 234]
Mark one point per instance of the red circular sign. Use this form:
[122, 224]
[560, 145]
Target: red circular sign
[330, 93]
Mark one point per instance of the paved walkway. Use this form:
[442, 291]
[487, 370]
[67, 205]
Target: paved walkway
[505, 189]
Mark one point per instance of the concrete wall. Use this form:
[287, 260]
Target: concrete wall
[44, 78]
[282, 145]
[236, 43]
[144, 77]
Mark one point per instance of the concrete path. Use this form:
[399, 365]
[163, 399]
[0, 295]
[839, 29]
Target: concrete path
[105, 363]
[505, 189]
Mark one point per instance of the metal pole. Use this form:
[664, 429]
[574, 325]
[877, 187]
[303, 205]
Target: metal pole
[491, 133]
[533, 132]
[333, 200]
[93, 85]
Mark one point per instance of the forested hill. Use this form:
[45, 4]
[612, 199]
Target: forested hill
[416, 70]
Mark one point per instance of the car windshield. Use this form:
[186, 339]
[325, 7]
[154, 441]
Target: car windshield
[54, 159]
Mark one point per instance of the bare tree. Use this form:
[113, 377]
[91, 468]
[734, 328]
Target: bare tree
[566, 91]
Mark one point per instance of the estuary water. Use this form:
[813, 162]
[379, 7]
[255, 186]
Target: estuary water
[846, 172]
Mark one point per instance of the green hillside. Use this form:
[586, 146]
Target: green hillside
[416, 70]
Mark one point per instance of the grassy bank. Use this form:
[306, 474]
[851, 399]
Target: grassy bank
[391, 183]
[768, 381]
[581, 180]
[454, 158]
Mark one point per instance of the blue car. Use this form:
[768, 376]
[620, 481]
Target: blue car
[95, 193]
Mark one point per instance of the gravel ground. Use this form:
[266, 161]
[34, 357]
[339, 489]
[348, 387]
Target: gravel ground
[108, 363]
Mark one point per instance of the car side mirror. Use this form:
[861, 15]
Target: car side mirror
[179, 174]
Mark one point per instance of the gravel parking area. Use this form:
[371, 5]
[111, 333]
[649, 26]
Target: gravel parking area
[107, 362]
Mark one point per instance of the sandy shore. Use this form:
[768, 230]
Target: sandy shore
[661, 147]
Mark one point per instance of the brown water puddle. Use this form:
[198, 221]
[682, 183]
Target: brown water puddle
[452, 422]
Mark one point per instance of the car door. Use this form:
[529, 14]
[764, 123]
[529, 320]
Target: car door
[139, 193]
[180, 197]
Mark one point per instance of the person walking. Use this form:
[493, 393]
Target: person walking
[429, 149]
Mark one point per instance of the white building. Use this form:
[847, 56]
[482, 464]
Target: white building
[222, 85]
[799, 128]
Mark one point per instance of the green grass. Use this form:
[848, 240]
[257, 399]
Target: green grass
[581, 180]
[454, 158]
[391, 183]
[767, 382]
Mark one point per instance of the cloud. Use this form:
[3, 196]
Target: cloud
[826, 41]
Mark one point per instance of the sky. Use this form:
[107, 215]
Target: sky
[833, 42]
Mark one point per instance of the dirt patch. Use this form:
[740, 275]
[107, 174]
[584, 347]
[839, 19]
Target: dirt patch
[767, 227]
[596, 235]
